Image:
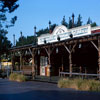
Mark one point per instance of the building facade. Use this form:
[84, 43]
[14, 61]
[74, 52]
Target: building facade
[75, 50]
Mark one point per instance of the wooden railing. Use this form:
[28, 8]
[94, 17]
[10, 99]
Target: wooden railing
[63, 74]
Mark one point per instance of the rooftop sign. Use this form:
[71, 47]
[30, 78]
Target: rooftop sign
[62, 33]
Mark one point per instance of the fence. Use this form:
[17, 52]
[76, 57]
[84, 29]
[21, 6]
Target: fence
[64, 74]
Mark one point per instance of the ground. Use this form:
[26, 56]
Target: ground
[33, 90]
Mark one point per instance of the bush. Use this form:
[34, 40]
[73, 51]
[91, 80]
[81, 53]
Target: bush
[80, 84]
[17, 77]
[21, 78]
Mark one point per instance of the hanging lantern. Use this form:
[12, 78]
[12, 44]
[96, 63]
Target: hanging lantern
[56, 50]
[45, 41]
[38, 52]
[80, 46]
[26, 52]
[58, 38]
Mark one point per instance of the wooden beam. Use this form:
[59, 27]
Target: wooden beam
[13, 61]
[30, 51]
[21, 61]
[99, 55]
[70, 64]
[94, 45]
[46, 51]
[73, 47]
[67, 49]
[33, 64]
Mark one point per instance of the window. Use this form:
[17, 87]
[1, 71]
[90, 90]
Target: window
[43, 61]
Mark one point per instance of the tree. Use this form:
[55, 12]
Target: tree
[42, 31]
[89, 21]
[63, 22]
[53, 26]
[70, 23]
[46, 30]
[26, 40]
[94, 24]
[79, 21]
[6, 6]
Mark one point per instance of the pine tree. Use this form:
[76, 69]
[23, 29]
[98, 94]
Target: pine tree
[70, 23]
[94, 24]
[63, 22]
[89, 21]
[79, 22]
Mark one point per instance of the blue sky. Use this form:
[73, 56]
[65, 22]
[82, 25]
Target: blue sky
[39, 12]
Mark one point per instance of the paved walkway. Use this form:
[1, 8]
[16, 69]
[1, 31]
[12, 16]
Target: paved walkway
[41, 91]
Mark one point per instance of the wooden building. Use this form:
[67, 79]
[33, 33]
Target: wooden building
[75, 50]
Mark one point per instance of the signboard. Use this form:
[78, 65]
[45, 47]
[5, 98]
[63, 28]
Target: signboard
[62, 33]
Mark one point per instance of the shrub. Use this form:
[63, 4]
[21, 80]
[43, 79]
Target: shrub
[21, 78]
[80, 84]
[13, 76]
[17, 77]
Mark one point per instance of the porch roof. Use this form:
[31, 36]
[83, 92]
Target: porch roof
[87, 38]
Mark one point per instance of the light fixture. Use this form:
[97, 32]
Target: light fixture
[45, 41]
[80, 45]
[71, 35]
[58, 38]
[38, 52]
[56, 50]
[26, 52]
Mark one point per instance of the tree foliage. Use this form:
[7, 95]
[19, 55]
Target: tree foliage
[79, 21]
[26, 40]
[6, 6]
[63, 22]
[89, 21]
[46, 30]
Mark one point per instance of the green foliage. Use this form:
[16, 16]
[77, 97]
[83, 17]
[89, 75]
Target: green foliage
[13, 76]
[21, 78]
[26, 40]
[63, 22]
[93, 24]
[17, 77]
[70, 23]
[89, 21]
[46, 30]
[42, 31]
[6, 7]
[79, 21]
[80, 84]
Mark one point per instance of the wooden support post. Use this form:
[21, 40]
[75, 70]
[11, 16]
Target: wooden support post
[21, 61]
[70, 64]
[33, 64]
[99, 55]
[70, 50]
[49, 60]
[13, 62]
